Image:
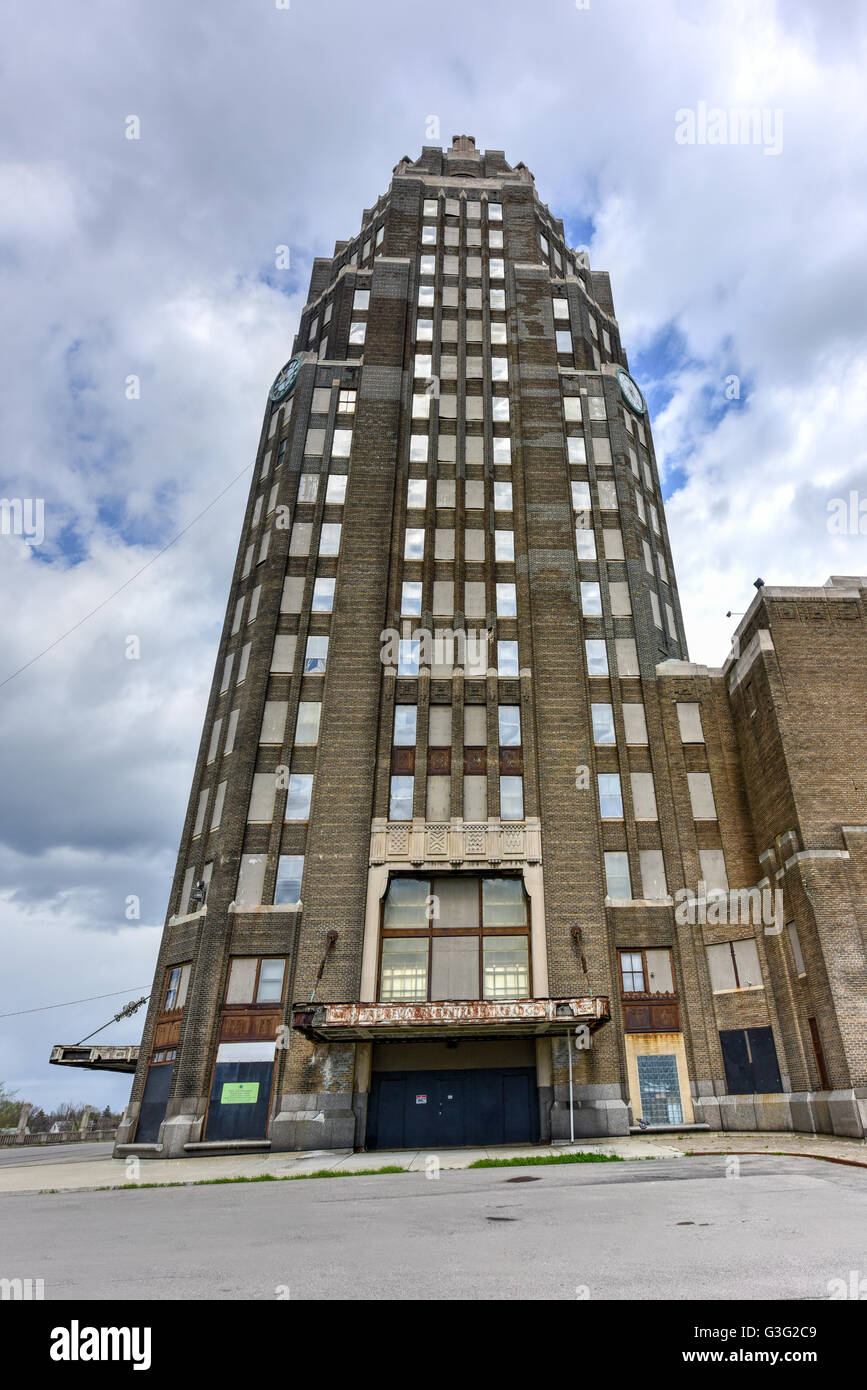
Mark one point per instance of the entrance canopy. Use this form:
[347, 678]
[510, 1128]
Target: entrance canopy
[470, 1018]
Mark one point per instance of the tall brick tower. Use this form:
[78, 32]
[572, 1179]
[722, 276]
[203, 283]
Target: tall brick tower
[456, 772]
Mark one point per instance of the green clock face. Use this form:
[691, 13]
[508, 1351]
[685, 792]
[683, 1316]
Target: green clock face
[630, 391]
[285, 379]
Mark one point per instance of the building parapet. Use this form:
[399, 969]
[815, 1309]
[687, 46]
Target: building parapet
[457, 843]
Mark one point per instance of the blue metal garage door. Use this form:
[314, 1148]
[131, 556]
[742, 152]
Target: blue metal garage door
[451, 1109]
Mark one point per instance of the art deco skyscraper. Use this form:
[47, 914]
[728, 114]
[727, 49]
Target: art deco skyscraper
[456, 767]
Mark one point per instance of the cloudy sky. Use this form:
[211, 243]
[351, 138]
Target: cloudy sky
[262, 126]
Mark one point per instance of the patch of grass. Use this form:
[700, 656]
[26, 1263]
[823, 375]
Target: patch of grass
[258, 1177]
[539, 1160]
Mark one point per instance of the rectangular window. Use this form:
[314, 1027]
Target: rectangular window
[346, 403]
[507, 659]
[502, 497]
[217, 814]
[643, 796]
[408, 658]
[315, 655]
[215, 739]
[575, 449]
[634, 722]
[610, 798]
[507, 601]
[251, 877]
[405, 719]
[591, 599]
[689, 720]
[410, 598]
[273, 726]
[652, 865]
[511, 798]
[307, 723]
[323, 595]
[329, 539]
[617, 881]
[585, 543]
[632, 972]
[261, 807]
[581, 497]
[400, 798]
[243, 663]
[734, 965]
[341, 444]
[506, 967]
[509, 717]
[335, 492]
[797, 953]
[290, 869]
[618, 594]
[298, 796]
[564, 341]
[413, 545]
[416, 491]
[626, 655]
[361, 299]
[300, 539]
[404, 969]
[603, 723]
[504, 546]
[177, 984]
[597, 657]
[701, 796]
[231, 730]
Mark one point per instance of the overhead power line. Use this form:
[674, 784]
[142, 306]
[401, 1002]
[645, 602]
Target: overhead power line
[69, 1003]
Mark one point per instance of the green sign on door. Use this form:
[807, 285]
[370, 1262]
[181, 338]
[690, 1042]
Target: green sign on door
[239, 1093]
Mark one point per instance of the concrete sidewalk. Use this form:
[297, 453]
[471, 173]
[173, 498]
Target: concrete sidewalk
[101, 1172]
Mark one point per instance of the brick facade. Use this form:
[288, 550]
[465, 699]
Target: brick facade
[502, 403]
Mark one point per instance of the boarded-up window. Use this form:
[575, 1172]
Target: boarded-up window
[455, 968]
[643, 796]
[438, 798]
[634, 723]
[242, 980]
[217, 815]
[689, 719]
[262, 797]
[250, 880]
[652, 874]
[273, 721]
[626, 656]
[283, 658]
[293, 593]
[713, 870]
[475, 798]
[701, 796]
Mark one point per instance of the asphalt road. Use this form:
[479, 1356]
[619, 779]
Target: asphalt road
[660, 1229]
[53, 1153]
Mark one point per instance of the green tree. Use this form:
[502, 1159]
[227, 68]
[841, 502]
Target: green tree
[10, 1108]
